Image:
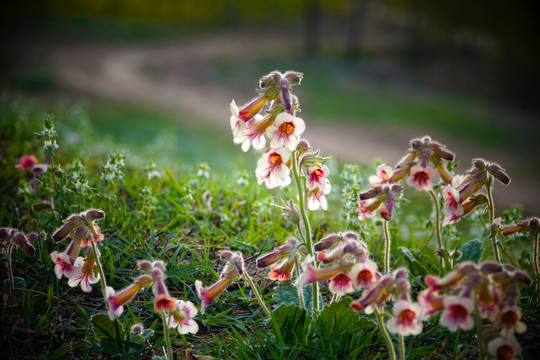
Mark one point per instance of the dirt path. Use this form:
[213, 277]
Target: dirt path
[118, 72]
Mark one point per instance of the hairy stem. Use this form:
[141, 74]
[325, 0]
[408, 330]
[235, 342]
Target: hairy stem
[385, 335]
[257, 295]
[491, 206]
[387, 244]
[100, 267]
[10, 268]
[401, 340]
[300, 289]
[166, 335]
[305, 222]
[535, 261]
[444, 259]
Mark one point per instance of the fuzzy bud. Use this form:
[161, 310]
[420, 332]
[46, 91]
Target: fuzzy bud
[21, 241]
[327, 242]
[490, 267]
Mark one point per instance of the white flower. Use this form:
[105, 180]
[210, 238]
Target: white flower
[406, 320]
[457, 313]
[182, 317]
[382, 175]
[316, 197]
[272, 168]
[286, 131]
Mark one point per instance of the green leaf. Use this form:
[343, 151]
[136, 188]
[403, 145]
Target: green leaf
[415, 265]
[109, 333]
[292, 321]
[338, 318]
[147, 333]
[287, 294]
[471, 251]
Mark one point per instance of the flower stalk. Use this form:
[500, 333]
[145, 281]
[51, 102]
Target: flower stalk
[444, 259]
[382, 328]
[387, 244]
[166, 335]
[491, 207]
[257, 294]
[99, 267]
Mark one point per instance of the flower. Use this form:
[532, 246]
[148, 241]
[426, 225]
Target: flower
[421, 178]
[95, 235]
[468, 206]
[364, 274]
[118, 300]
[253, 133]
[457, 313]
[182, 317]
[317, 177]
[367, 208]
[509, 320]
[208, 294]
[65, 261]
[503, 348]
[382, 175]
[27, 162]
[283, 271]
[375, 196]
[272, 168]
[286, 131]
[341, 284]
[317, 199]
[406, 320]
[84, 273]
[312, 274]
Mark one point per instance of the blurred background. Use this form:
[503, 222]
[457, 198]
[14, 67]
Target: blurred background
[157, 76]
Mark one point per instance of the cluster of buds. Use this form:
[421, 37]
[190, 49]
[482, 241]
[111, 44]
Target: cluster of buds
[525, 226]
[463, 195]
[490, 288]
[84, 232]
[180, 313]
[272, 114]
[232, 271]
[350, 267]
[282, 260]
[423, 161]
[13, 238]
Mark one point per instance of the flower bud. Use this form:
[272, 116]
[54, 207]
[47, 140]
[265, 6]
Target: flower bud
[291, 213]
[144, 281]
[327, 242]
[499, 173]
[490, 267]
[94, 214]
[522, 278]
[293, 77]
[32, 237]
[144, 265]
[226, 255]
[21, 241]
[4, 233]
[81, 232]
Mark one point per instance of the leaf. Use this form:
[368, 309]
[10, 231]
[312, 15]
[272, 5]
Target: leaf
[415, 265]
[287, 293]
[147, 333]
[292, 321]
[339, 318]
[109, 333]
[471, 251]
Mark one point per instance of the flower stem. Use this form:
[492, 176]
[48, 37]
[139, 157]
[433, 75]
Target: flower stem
[100, 268]
[166, 335]
[401, 347]
[535, 260]
[386, 337]
[387, 244]
[307, 227]
[444, 259]
[300, 289]
[479, 330]
[491, 206]
[257, 295]
[10, 268]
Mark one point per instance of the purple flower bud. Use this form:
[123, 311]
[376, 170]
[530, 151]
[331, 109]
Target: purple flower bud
[21, 241]
[508, 267]
[499, 173]
[490, 267]
[81, 232]
[42, 234]
[293, 77]
[32, 236]
[327, 242]
[4, 233]
[144, 265]
[466, 267]
[238, 262]
[522, 278]
[94, 214]
[226, 255]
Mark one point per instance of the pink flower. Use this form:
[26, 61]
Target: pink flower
[84, 274]
[365, 208]
[468, 206]
[317, 177]
[364, 274]
[117, 300]
[509, 320]
[272, 168]
[282, 271]
[317, 199]
[182, 318]
[312, 274]
[286, 131]
[406, 320]
[97, 237]
[64, 262]
[421, 178]
[237, 125]
[431, 303]
[253, 133]
[503, 348]
[341, 284]
[457, 313]
[207, 295]
[27, 162]
[382, 175]
[164, 302]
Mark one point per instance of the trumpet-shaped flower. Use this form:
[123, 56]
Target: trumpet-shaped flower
[509, 320]
[272, 168]
[312, 274]
[96, 235]
[282, 271]
[421, 178]
[406, 320]
[208, 294]
[341, 284]
[504, 348]
[286, 131]
[253, 133]
[317, 199]
[317, 177]
[364, 274]
[84, 274]
[457, 313]
[182, 318]
[65, 262]
[382, 175]
[117, 300]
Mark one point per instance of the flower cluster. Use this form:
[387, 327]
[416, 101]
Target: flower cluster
[281, 260]
[491, 289]
[179, 313]
[112, 170]
[13, 238]
[49, 135]
[232, 271]
[350, 267]
[84, 232]
[283, 129]
[463, 194]
[371, 200]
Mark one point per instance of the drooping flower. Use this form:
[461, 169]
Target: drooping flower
[382, 175]
[96, 235]
[406, 320]
[65, 261]
[364, 274]
[421, 178]
[317, 177]
[509, 320]
[317, 199]
[84, 273]
[504, 348]
[286, 131]
[182, 318]
[273, 169]
[457, 313]
[282, 271]
[468, 206]
[117, 300]
[253, 132]
[371, 199]
[341, 284]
